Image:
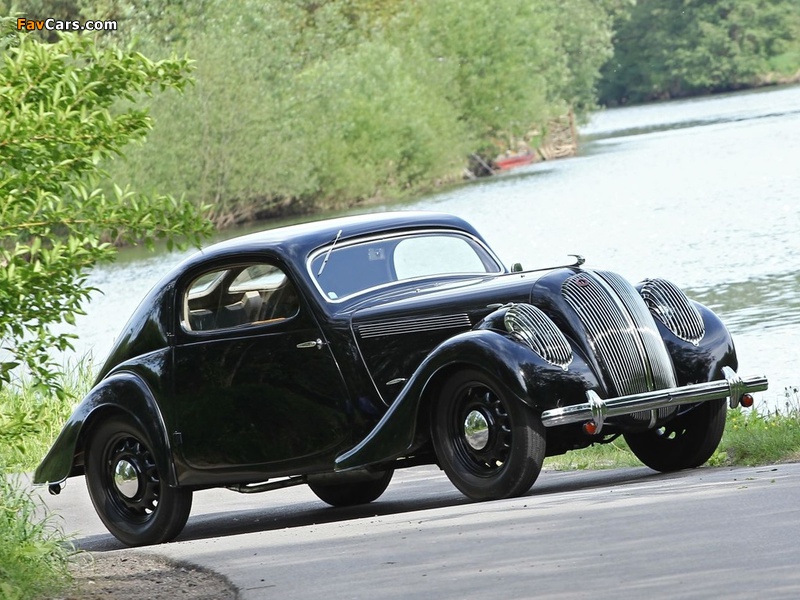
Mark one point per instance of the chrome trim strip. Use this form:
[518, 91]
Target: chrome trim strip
[598, 410]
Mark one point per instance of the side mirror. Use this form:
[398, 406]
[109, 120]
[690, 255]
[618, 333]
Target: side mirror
[516, 268]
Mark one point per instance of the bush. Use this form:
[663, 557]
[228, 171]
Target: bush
[34, 553]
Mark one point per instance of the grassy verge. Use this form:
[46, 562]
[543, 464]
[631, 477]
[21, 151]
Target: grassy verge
[34, 552]
[31, 418]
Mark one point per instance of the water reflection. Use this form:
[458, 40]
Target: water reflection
[759, 304]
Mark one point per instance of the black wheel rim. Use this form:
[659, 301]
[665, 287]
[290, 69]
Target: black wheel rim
[480, 428]
[131, 481]
[670, 433]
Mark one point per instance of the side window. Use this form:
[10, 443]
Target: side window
[241, 296]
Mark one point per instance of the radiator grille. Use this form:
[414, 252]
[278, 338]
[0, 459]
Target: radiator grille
[622, 334]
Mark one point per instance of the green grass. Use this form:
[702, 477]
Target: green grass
[757, 438]
[34, 553]
[31, 418]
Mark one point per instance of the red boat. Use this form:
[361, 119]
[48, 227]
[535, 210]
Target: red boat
[514, 160]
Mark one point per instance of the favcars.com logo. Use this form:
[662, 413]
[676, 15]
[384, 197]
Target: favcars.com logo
[24, 24]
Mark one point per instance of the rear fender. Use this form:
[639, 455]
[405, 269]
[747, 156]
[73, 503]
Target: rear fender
[520, 371]
[125, 393]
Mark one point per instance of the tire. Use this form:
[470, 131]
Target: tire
[685, 442]
[489, 443]
[127, 490]
[353, 492]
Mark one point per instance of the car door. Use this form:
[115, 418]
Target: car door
[254, 382]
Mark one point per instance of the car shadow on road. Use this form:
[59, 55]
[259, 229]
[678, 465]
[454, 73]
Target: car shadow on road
[409, 498]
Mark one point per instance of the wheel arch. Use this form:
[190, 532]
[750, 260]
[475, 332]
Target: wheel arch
[123, 393]
[406, 425]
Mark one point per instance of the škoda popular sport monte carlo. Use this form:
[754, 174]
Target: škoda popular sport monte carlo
[333, 353]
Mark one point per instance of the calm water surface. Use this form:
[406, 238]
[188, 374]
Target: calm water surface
[703, 192]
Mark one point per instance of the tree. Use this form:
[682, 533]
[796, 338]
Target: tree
[66, 108]
[672, 48]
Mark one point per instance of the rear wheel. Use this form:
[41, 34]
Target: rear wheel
[488, 443]
[685, 442]
[353, 492]
[127, 489]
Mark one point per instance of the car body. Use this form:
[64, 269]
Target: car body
[332, 353]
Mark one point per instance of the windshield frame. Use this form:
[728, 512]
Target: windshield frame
[340, 245]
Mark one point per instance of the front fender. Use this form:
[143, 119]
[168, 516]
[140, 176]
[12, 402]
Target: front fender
[524, 375]
[123, 392]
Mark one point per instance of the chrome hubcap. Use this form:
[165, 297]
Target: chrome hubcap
[476, 430]
[126, 478]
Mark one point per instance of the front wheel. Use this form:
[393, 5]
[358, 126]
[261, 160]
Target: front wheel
[489, 443]
[127, 489]
[685, 442]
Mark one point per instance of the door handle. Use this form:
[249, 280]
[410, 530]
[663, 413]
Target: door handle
[317, 343]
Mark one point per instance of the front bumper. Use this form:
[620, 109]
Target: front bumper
[597, 410]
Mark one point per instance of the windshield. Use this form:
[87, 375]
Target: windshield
[355, 267]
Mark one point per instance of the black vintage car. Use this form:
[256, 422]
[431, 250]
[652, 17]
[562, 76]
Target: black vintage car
[333, 353]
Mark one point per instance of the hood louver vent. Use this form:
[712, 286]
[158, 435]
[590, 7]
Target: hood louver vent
[386, 327]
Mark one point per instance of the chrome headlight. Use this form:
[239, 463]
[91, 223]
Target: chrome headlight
[669, 304]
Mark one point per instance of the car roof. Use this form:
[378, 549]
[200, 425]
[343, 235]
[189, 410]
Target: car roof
[302, 238]
[295, 242]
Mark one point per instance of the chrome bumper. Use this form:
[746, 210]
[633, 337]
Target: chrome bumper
[597, 410]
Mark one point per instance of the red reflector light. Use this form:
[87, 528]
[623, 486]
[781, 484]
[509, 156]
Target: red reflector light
[746, 401]
[590, 428]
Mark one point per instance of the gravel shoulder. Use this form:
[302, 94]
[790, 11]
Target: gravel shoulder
[126, 575]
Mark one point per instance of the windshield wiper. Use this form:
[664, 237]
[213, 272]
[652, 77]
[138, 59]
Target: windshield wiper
[328, 253]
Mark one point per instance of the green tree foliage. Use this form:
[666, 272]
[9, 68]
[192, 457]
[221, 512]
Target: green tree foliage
[673, 48]
[65, 108]
[306, 105]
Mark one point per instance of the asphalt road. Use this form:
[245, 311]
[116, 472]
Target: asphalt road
[627, 533]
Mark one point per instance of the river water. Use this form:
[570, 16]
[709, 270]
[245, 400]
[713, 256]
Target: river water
[703, 192]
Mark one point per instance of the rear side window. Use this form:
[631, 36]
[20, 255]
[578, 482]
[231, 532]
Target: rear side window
[240, 296]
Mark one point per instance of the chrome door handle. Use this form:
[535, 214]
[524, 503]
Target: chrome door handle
[317, 343]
